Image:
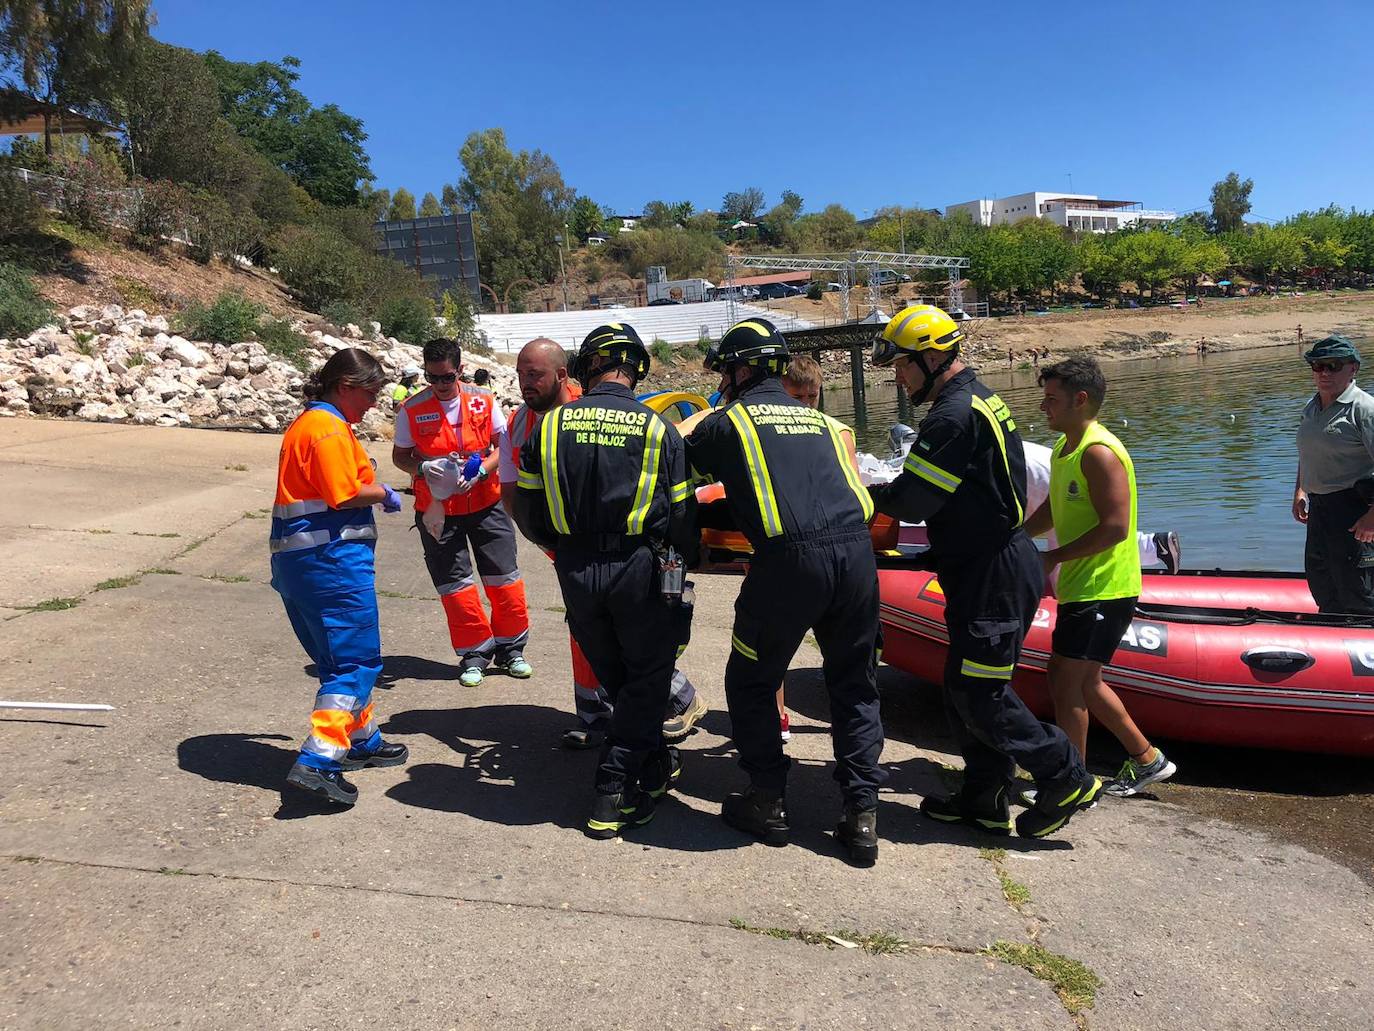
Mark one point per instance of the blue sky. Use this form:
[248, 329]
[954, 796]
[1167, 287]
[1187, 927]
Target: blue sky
[860, 104]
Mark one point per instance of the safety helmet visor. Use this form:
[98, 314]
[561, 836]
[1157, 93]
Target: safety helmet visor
[883, 353]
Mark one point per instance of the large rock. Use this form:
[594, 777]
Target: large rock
[188, 353]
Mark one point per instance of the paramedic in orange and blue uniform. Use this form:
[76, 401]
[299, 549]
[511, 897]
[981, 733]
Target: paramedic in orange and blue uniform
[450, 417]
[323, 537]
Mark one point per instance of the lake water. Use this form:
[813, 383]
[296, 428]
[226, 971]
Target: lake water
[1212, 439]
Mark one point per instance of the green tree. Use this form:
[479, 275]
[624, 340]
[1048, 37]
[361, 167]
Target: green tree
[1099, 266]
[1230, 203]
[833, 229]
[658, 214]
[429, 206]
[585, 218]
[70, 53]
[402, 205]
[321, 148]
[742, 206]
[375, 202]
[172, 109]
[1047, 253]
[997, 262]
[685, 254]
[1274, 250]
[520, 203]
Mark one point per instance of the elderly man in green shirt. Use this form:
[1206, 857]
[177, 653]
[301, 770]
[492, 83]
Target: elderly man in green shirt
[1336, 453]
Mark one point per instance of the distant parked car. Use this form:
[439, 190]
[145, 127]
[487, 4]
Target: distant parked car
[889, 276]
[774, 291]
[662, 301]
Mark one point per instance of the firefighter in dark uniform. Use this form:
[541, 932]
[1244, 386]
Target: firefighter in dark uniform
[603, 484]
[965, 477]
[793, 493]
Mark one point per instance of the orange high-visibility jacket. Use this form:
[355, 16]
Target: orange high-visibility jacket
[435, 438]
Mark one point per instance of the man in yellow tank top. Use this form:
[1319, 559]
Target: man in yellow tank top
[1092, 510]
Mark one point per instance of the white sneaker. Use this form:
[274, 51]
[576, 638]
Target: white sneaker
[1133, 776]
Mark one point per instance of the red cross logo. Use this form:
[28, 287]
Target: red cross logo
[477, 404]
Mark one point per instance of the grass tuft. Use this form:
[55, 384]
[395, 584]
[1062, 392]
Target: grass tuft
[221, 578]
[161, 571]
[114, 583]
[52, 605]
[1074, 983]
[878, 943]
[237, 467]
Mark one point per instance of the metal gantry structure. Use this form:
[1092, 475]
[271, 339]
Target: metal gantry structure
[853, 268]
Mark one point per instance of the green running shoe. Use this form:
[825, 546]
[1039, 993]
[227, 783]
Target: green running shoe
[1133, 775]
[471, 676]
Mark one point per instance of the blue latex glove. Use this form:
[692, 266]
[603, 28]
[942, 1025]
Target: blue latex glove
[392, 501]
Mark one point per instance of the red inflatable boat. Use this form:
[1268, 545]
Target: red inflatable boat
[1226, 658]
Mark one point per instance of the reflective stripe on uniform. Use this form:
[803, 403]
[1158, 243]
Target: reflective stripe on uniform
[298, 508]
[553, 495]
[500, 579]
[315, 538]
[757, 464]
[931, 473]
[981, 406]
[648, 475]
[984, 671]
[851, 475]
[680, 492]
[743, 648]
[529, 481]
[299, 541]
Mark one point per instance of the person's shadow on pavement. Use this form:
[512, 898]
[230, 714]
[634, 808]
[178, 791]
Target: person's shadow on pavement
[252, 760]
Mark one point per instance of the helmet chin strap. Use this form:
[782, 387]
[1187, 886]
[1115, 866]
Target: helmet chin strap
[920, 396]
[734, 391]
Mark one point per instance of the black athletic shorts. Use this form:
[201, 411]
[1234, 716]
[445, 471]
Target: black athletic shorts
[1091, 629]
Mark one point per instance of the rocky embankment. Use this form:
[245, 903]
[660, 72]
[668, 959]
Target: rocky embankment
[112, 365]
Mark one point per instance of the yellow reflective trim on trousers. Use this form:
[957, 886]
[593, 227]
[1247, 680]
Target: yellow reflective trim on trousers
[932, 473]
[979, 405]
[979, 669]
[529, 480]
[553, 495]
[758, 470]
[680, 491]
[743, 648]
[851, 476]
[648, 476]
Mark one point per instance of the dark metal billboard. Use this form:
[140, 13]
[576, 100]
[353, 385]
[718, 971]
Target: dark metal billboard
[442, 249]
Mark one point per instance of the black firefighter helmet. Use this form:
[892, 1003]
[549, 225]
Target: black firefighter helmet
[608, 347]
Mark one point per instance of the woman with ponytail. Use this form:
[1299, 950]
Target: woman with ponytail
[323, 537]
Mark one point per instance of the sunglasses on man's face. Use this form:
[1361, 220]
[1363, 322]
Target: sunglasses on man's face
[441, 377]
[1331, 366]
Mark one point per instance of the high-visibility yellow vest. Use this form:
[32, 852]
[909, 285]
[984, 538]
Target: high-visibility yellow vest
[1114, 573]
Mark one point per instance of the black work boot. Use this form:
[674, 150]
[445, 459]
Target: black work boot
[661, 772]
[328, 784]
[858, 833]
[985, 809]
[1054, 806]
[757, 812]
[385, 754]
[613, 813]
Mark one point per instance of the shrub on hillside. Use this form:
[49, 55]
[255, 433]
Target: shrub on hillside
[281, 339]
[229, 319]
[408, 318]
[22, 308]
[91, 196]
[19, 210]
[319, 265]
[215, 227]
[159, 211]
[662, 351]
[342, 313]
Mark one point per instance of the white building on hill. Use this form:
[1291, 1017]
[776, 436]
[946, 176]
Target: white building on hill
[1083, 212]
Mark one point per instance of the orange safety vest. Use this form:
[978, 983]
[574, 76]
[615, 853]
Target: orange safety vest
[435, 437]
